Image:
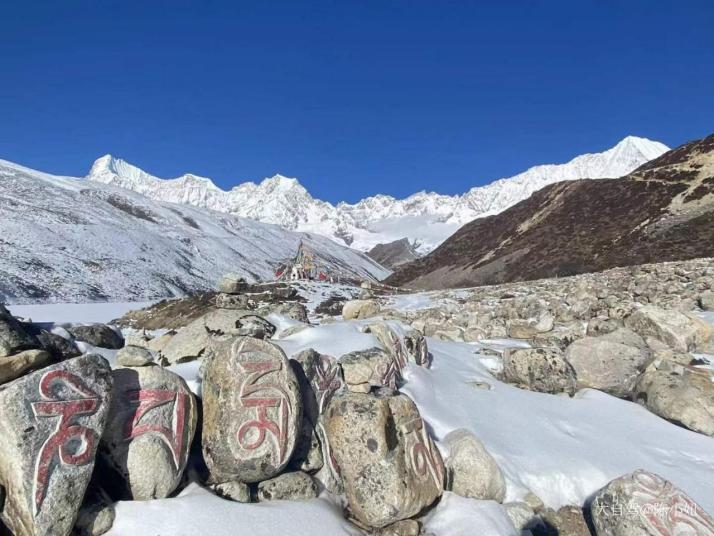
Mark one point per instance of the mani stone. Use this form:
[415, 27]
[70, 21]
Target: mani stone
[471, 470]
[151, 426]
[252, 410]
[14, 366]
[544, 370]
[374, 367]
[99, 335]
[295, 486]
[390, 467]
[645, 504]
[359, 309]
[416, 347]
[50, 427]
[678, 393]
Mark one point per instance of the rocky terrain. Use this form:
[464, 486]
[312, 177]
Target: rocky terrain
[425, 218]
[393, 254]
[662, 211]
[392, 414]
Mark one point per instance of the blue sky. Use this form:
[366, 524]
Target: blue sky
[354, 98]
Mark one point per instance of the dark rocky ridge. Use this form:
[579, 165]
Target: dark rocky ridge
[394, 253]
[663, 211]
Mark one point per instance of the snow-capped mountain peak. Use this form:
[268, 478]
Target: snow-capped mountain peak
[426, 218]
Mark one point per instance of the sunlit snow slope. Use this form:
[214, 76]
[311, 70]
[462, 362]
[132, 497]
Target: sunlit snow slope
[427, 219]
[70, 240]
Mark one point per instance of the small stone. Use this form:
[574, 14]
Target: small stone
[295, 486]
[134, 356]
[235, 490]
[360, 309]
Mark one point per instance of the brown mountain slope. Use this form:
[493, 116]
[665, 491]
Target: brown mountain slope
[662, 211]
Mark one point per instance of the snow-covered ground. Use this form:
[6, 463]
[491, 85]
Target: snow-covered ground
[562, 449]
[78, 313]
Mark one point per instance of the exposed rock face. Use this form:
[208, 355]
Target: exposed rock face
[394, 253]
[605, 364]
[643, 503]
[14, 366]
[151, 426]
[99, 335]
[359, 309]
[390, 467]
[539, 369]
[680, 331]
[50, 428]
[471, 470]
[252, 410]
[662, 211]
[294, 486]
[680, 394]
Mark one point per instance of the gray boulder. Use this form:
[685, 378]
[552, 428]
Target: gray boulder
[680, 331]
[390, 467]
[471, 471]
[252, 410]
[645, 504]
[232, 284]
[539, 369]
[14, 366]
[681, 394]
[151, 427]
[99, 335]
[50, 428]
[58, 347]
[135, 356]
[360, 309]
[235, 490]
[374, 367]
[706, 300]
[13, 336]
[605, 364]
[294, 486]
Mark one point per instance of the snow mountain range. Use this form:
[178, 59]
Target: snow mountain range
[67, 239]
[425, 218]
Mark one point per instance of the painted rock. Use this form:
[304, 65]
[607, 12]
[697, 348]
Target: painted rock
[151, 426]
[252, 410]
[645, 504]
[417, 349]
[50, 427]
[390, 467]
